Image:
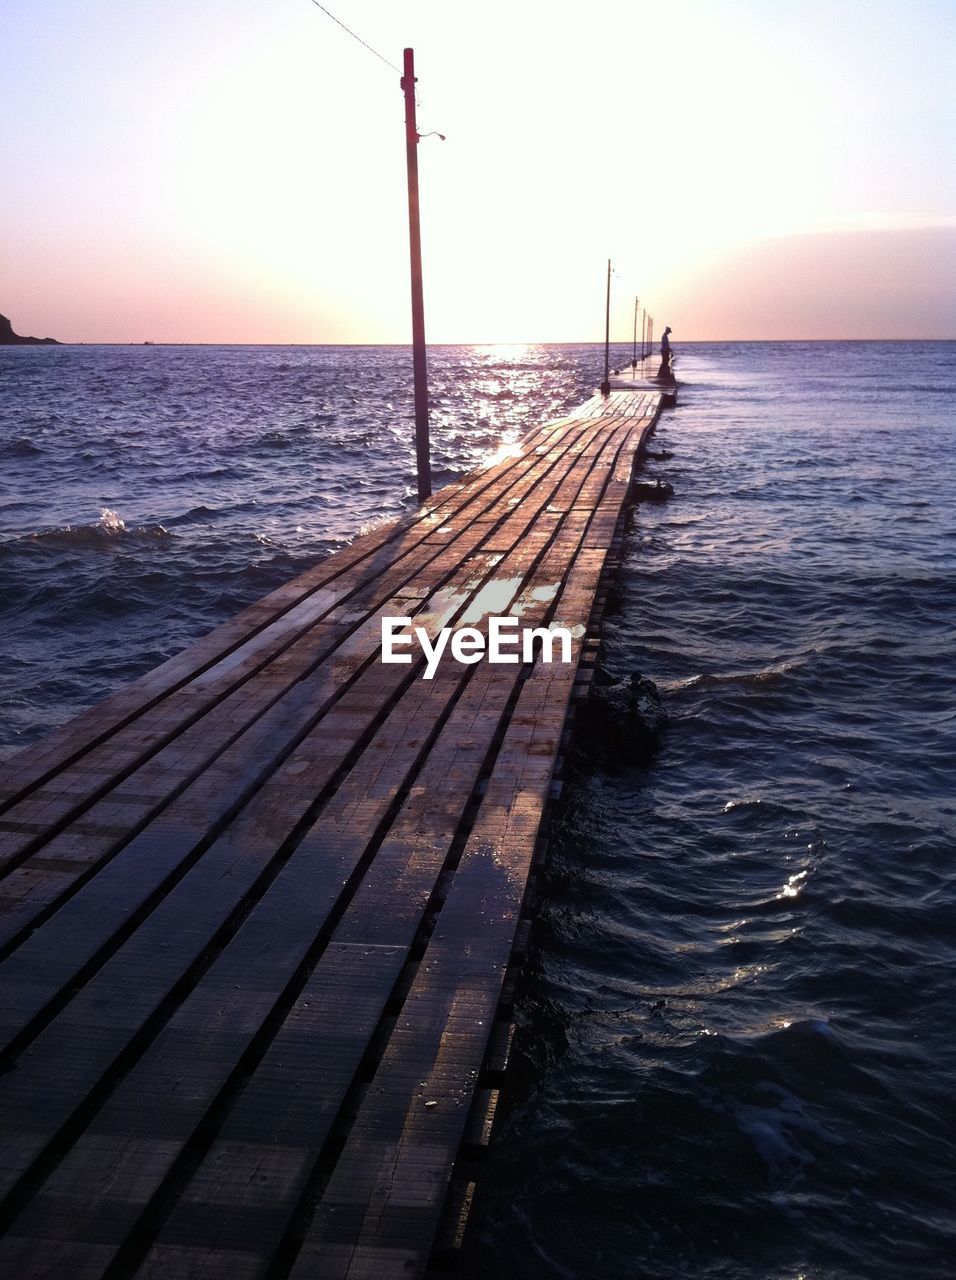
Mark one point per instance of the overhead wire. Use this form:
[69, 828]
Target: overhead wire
[365, 44]
[381, 56]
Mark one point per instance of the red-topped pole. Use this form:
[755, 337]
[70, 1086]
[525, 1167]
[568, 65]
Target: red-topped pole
[606, 384]
[418, 303]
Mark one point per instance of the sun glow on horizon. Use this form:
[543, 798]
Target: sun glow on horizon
[237, 173]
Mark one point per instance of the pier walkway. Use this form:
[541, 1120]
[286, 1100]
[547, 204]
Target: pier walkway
[260, 911]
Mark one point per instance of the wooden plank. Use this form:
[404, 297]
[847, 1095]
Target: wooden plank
[39, 761]
[382, 1205]
[49, 960]
[44, 1094]
[381, 920]
[71, 928]
[225, 717]
[162, 775]
[273, 947]
[375, 570]
[137, 1104]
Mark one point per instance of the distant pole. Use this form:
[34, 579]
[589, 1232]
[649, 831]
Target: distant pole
[418, 303]
[643, 330]
[606, 384]
[650, 335]
[634, 356]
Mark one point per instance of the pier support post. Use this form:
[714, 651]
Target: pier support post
[419, 366]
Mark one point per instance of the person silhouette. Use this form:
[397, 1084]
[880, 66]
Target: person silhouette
[665, 369]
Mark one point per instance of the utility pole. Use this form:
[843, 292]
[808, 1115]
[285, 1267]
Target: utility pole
[634, 353]
[606, 384]
[418, 304]
[643, 330]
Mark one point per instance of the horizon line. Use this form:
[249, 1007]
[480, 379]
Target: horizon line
[592, 342]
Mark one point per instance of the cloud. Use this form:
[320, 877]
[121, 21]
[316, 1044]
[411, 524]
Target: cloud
[888, 282]
[860, 222]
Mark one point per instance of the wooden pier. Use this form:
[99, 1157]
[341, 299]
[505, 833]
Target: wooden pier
[260, 911]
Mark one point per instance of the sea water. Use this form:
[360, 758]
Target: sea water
[736, 1054]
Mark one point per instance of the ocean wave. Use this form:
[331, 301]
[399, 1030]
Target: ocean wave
[778, 1126]
[20, 448]
[105, 532]
[198, 513]
[747, 679]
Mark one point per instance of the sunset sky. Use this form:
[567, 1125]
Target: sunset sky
[235, 171]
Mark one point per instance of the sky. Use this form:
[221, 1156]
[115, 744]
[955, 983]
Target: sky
[235, 172]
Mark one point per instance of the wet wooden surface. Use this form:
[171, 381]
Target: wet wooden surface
[257, 909]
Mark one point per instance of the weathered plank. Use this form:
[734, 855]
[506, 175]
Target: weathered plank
[404, 874]
[155, 853]
[132, 982]
[66, 857]
[219, 899]
[360, 562]
[27, 822]
[380, 1209]
[35, 763]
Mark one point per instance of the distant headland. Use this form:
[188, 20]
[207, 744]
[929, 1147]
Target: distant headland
[10, 339]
